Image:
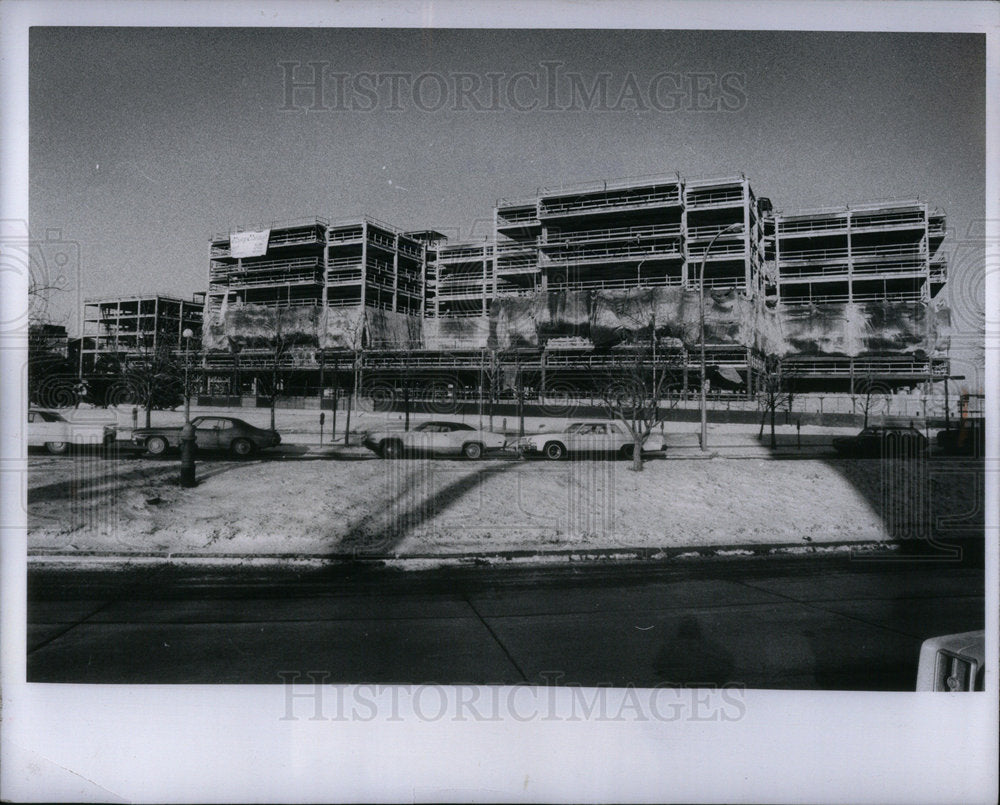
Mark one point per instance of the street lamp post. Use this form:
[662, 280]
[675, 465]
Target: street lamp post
[638, 284]
[187, 432]
[187, 363]
[701, 320]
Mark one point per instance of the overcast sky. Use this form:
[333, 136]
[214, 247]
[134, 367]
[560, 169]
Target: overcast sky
[144, 142]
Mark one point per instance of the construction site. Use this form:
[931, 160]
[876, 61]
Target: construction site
[574, 279]
[136, 326]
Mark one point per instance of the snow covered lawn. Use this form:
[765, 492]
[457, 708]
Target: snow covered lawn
[363, 505]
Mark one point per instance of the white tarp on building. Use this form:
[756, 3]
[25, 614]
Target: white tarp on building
[249, 244]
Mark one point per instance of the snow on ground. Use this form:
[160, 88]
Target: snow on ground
[346, 501]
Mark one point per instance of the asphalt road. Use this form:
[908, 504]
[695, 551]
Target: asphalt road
[790, 623]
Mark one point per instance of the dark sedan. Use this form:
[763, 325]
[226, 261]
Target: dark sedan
[883, 441]
[210, 433]
[967, 438]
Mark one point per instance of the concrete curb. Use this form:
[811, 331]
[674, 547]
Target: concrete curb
[83, 560]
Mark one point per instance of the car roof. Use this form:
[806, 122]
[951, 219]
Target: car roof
[592, 422]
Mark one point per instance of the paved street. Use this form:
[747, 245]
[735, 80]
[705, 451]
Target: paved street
[811, 623]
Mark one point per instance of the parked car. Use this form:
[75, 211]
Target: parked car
[598, 438]
[53, 431]
[954, 662]
[435, 438]
[210, 433]
[967, 438]
[882, 440]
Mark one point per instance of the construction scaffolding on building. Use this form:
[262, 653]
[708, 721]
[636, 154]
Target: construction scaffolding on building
[575, 277]
[119, 328]
[875, 272]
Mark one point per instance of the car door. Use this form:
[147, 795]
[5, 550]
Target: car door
[225, 432]
[577, 436]
[589, 439]
[422, 439]
[617, 437]
[47, 427]
[36, 435]
[604, 437]
[440, 438]
[206, 433]
[456, 437]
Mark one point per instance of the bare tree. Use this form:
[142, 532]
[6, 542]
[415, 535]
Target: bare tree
[276, 351]
[152, 376]
[774, 392]
[51, 377]
[634, 389]
[872, 391]
[647, 365]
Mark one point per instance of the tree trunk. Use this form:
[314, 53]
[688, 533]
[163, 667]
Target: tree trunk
[274, 387]
[763, 419]
[406, 407]
[637, 456]
[773, 443]
[520, 403]
[347, 426]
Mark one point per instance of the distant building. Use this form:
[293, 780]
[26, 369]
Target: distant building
[48, 339]
[129, 326]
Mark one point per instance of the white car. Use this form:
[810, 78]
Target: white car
[607, 438]
[435, 438]
[953, 663]
[53, 431]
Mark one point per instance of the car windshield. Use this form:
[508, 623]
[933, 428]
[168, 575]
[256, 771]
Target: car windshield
[48, 416]
[577, 427]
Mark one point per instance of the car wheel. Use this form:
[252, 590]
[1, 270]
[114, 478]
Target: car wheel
[242, 447]
[627, 451]
[472, 450]
[392, 449]
[156, 446]
[555, 451]
[56, 448]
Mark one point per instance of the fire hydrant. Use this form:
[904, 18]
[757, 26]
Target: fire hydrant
[187, 456]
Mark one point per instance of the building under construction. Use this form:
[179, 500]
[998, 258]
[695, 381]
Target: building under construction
[885, 257]
[118, 328]
[574, 277]
[319, 279]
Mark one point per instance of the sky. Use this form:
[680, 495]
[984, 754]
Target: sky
[146, 142]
